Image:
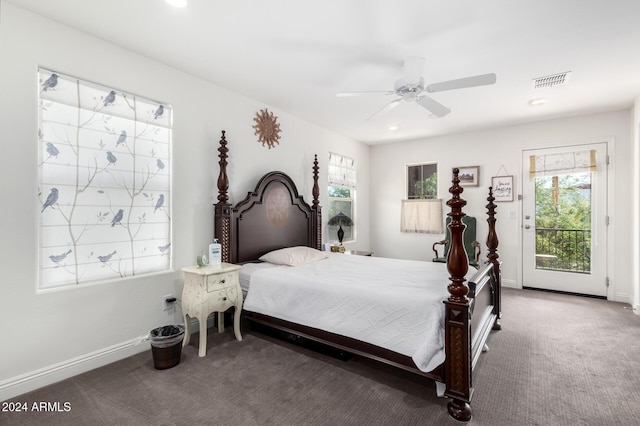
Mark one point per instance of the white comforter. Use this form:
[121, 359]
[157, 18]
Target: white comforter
[391, 303]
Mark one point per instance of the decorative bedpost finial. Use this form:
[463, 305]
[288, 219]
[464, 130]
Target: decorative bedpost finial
[492, 237]
[317, 210]
[316, 188]
[223, 179]
[222, 218]
[457, 321]
[457, 261]
[492, 256]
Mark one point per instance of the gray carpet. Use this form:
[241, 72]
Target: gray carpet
[559, 360]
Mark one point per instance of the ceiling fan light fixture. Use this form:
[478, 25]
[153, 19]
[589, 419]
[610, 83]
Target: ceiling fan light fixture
[402, 88]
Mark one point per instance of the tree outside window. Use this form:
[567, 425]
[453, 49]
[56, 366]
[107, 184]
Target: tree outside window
[563, 222]
[422, 181]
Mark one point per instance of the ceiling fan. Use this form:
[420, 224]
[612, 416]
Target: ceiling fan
[411, 88]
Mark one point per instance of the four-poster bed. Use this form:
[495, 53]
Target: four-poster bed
[275, 216]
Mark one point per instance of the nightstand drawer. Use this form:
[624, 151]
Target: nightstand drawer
[220, 281]
[220, 299]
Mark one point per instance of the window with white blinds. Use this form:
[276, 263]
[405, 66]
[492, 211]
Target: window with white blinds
[562, 163]
[342, 171]
[104, 194]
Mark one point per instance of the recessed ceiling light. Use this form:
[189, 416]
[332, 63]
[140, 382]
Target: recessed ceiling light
[537, 102]
[393, 128]
[177, 3]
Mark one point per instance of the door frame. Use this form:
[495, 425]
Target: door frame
[610, 230]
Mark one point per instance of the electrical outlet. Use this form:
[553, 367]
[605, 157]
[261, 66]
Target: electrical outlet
[168, 301]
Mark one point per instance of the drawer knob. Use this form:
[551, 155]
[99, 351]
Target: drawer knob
[223, 281]
[224, 298]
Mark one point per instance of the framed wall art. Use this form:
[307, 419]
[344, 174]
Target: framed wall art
[502, 188]
[469, 176]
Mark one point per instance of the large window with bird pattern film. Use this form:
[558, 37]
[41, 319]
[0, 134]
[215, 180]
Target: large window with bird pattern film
[104, 198]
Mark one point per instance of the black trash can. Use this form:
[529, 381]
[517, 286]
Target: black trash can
[166, 346]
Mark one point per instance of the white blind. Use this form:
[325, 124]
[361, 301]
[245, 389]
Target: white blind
[104, 183]
[422, 216]
[563, 163]
[341, 171]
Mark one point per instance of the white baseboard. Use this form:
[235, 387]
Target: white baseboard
[509, 283]
[618, 297]
[622, 298]
[36, 379]
[33, 380]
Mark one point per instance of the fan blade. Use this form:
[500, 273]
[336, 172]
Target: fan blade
[347, 94]
[413, 67]
[461, 83]
[435, 107]
[388, 107]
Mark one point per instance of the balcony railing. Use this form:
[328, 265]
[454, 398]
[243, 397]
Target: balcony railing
[563, 249]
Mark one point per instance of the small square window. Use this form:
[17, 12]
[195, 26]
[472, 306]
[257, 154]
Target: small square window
[422, 181]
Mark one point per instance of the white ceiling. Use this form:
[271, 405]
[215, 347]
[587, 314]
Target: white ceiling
[296, 55]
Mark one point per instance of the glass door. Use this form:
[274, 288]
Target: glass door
[564, 231]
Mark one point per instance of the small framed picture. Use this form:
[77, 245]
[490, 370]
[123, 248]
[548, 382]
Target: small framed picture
[502, 188]
[469, 176]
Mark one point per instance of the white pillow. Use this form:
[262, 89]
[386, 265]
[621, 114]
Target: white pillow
[294, 256]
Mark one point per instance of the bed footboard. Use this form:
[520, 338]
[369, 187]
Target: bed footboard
[482, 294]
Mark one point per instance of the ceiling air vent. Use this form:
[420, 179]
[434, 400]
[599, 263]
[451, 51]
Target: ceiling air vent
[551, 80]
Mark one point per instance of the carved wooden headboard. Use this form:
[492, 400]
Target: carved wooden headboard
[272, 216]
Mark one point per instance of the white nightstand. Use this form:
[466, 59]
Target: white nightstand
[210, 289]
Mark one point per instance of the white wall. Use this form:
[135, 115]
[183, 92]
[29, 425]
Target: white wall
[48, 336]
[499, 150]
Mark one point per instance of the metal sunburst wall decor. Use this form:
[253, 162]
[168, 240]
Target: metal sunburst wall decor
[267, 128]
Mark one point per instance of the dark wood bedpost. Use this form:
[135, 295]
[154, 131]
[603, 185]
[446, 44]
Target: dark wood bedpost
[492, 247]
[222, 209]
[315, 206]
[457, 316]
